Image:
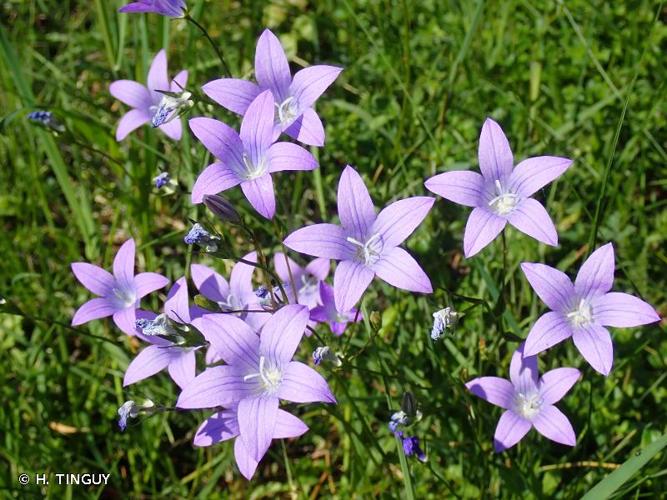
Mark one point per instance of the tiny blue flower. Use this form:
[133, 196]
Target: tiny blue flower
[162, 180]
[411, 447]
[46, 119]
[200, 236]
[442, 320]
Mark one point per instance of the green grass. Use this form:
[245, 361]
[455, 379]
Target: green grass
[579, 79]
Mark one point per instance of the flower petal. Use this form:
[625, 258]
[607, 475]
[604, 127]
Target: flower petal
[495, 155]
[93, 309]
[302, 384]
[550, 329]
[596, 275]
[398, 268]
[535, 173]
[215, 178]
[147, 363]
[510, 430]
[209, 283]
[310, 83]
[271, 67]
[260, 194]
[219, 139]
[232, 93]
[461, 186]
[531, 218]
[123, 265]
[146, 283]
[179, 82]
[622, 310]
[307, 129]
[355, 207]
[94, 278]
[321, 240]
[523, 371]
[481, 229]
[396, 222]
[182, 368]
[288, 426]
[232, 339]
[130, 121]
[351, 280]
[218, 427]
[281, 263]
[257, 421]
[157, 74]
[552, 424]
[289, 156]
[319, 268]
[554, 384]
[495, 390]
[594, 344]
[240, 280]
[173, 129]
[281, 335]
[551, 285]
[126, 320]
[131, 93]
[257, 127]
[177, 304]
[246, 463]
[215, 386]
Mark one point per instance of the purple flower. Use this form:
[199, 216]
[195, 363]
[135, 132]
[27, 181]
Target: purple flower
[248, 158]
[366, 243]
[411, 447]
[119, 293]
[294, 98]
[527, 401]
[146, 102]
[169, 8]
[224, 425]
[161, 354]
[327, 312]
[583, 309]
[501, 194]
[258, 374]
[306, 279]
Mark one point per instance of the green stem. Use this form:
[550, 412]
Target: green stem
[227, 72]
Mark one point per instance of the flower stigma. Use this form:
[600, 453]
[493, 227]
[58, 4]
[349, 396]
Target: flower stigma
[504, 202]
[582, 315]
[270, 376]
[528, 405]
[370, 251]
[287, 111]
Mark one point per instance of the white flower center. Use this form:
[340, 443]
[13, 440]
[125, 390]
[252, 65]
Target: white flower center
[581, 315]
[370, 251]
[504, 201]
[270, 376]
[169, 108]
[124, 298]
[233, 303]
[253, 171]
[528, 405]
[287, 111]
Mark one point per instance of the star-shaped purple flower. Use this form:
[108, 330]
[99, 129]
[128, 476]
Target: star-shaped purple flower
[248, 158]
[161, 354]
[583, 309]
[259, 372]
[527, 401]
[224, 425]
[366, 243]
[327, 312]
[294, 98]
[502, 193]
[146, 101]
[169, 8]
[306, 279]
[119, 293]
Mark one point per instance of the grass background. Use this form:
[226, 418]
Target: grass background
[579, 79]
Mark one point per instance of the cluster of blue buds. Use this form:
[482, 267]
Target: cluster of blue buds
[200, 236]
[443, 320]
[46, 119]
[325, 353]
[130, 409]
[407, 415]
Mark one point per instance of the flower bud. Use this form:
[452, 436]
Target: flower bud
[221, 208]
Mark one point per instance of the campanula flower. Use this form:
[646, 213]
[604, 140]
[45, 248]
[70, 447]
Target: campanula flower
[328, 313]
[224, 425]
[324, 353]
[528, 401]
[366, 243]
[149, 103]
[46, 119]
[294, 97]
[306, 279]
[162, 353]
[247, 159]
[502, 193]
[582, 310]
[411, 447]
[201, 237]
[119, 293]
[130, 409]
[169, 8]
[258, 374]
[443, 320]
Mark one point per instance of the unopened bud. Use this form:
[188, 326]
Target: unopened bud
[221, 208]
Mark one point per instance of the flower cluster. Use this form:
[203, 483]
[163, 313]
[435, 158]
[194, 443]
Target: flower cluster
[246, 331]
